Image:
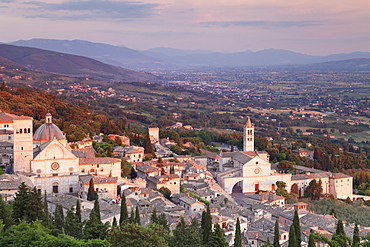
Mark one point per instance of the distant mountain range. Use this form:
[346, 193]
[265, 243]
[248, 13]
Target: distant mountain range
[166, 58]
[62, 63]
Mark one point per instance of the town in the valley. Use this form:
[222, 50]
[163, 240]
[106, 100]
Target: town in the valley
[234, 184]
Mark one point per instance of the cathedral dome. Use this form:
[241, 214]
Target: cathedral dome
[48, 131]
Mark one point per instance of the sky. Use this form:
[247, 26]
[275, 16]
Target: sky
[314, 27]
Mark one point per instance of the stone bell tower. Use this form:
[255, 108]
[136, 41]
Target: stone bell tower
[248, 136]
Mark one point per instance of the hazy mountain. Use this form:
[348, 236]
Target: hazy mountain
[61, 63]
[357, 64]
[114, 55]
[161, 58]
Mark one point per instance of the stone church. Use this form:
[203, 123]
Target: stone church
[250, 171]
[47, 160]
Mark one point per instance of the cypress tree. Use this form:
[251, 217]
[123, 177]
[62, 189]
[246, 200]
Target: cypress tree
[356, 236]
[153, 217]
[297, 228]
[58, 217]
[163, 221]
[137, 216]
[78, 211]
[276, 235]
[48, 221]
[114, 223]
[97, 207]
[71, 225]
[217, 238]
[124, 214]
[132, 216]
[206, 224]
[311, 241]
[292, 238]
[340, 228]
[238, 234]
[94, 228]
[91, 193]
[5, 214]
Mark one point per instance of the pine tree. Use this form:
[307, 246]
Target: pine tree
[292, 238]
[137, 216]
[28, 205]
[124, 214]
[297, 228]
[206, 224]
[153, 217]
[132, 216]
[356, 236]
[5, 214]
[91, 193]
[340, 236]
[238, 234]
[276, 235]
[58, 217]
[311, 241]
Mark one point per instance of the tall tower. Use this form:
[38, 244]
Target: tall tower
[23, 144]
[248, 136]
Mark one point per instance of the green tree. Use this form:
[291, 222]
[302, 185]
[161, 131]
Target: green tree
[163, 221]
[217, 238]
[186, 235]
[356, 236]
[124, 213]
[134, 235]
[94, 228]
[153, 217]
[137, 216]
[28, 205]
[58, 217]
[238, 234]
[281, 191]
[97, 207]
[276, 234]
[110, 151]
[311, 241]
[206, 225]
[292, 238]
[78, 211]
[72, 225]
[166, 192]
[114, 223]
[5, 214]
[297, 228]
[91, 193]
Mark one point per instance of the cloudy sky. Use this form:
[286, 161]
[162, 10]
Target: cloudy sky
[315, 27]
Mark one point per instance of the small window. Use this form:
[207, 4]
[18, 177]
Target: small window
[21, 148]
[83, 170]
[70, 189]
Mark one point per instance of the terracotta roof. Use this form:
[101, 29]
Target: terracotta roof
[310, 176]
[23, 118]
[101, 160]
[7, 117]
[98, 179]
[340, 175]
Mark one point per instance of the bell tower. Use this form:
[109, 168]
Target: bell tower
[248, 136]
[23, 144]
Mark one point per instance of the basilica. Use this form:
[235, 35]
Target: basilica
[46, 158]
[251, 171]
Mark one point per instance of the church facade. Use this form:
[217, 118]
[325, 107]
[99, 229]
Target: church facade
[250, 171]
[46, 158]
